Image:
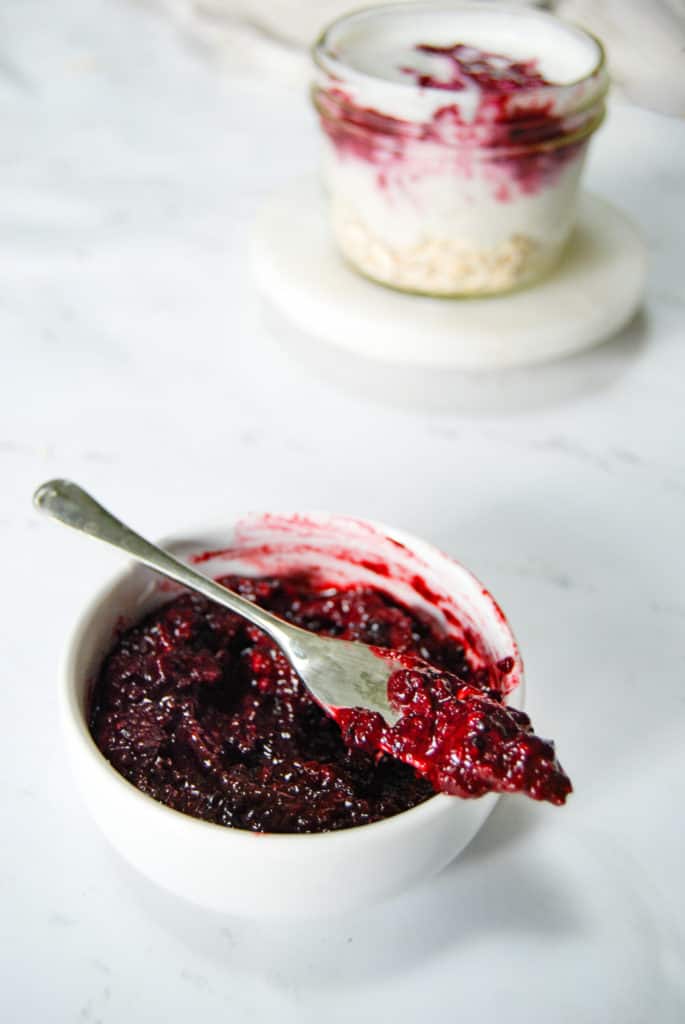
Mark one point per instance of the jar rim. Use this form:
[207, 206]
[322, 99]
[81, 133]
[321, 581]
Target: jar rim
[330, 64]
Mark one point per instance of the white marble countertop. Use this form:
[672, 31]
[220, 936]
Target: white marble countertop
[133, 361]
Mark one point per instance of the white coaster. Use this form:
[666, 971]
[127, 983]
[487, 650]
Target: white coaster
[595, 290]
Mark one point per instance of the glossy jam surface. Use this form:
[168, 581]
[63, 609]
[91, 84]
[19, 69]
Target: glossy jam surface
[460, 736]
[200, 710]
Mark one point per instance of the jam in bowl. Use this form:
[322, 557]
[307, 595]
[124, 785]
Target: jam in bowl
[247, 798]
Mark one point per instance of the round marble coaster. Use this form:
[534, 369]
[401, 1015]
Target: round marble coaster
[593, 292]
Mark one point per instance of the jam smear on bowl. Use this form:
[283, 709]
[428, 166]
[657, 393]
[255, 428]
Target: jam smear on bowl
[199, 709]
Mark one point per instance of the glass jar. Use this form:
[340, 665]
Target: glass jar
[454, 138]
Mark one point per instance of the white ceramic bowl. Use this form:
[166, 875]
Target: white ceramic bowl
[248, 873]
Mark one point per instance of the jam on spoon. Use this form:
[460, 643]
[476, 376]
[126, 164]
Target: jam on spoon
[460, 736]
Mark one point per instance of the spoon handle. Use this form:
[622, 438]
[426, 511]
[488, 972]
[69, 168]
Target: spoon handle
[71, 505]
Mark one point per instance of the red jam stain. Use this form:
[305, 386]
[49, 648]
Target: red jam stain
[200, 710]
[512, 115]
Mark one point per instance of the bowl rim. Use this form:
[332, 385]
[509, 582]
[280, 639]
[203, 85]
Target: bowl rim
[75, 725]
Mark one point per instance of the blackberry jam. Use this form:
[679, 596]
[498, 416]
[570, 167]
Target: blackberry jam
[200, 710]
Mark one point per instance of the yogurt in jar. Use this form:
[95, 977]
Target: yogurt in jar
[454, 138]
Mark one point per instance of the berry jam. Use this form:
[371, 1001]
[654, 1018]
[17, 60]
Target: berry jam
[199, 709]
[490, 72]
[460, 736]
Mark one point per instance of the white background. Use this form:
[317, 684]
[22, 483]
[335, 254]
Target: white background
[134, 360]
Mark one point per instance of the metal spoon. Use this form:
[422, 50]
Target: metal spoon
[338, 673]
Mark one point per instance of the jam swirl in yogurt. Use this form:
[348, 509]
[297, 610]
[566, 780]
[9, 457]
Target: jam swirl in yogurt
[508, 116]
[470, 67]
[199, 709]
